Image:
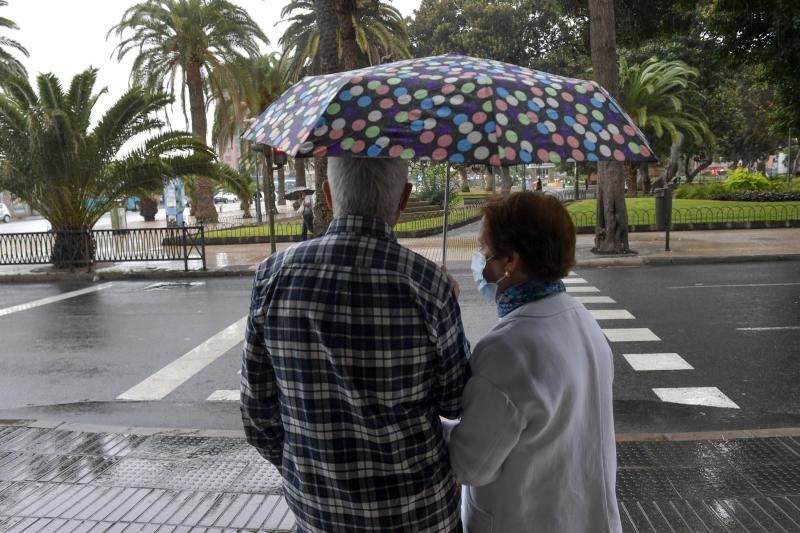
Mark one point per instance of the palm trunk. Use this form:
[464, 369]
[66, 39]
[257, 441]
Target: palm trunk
[148, 207]
[328, 52]
[505, 184]
[489, 180]
[345, 9]
[73, 247]
[300, 170]
[611, 232]
[203, 200]
[281, 185]
[462, 171]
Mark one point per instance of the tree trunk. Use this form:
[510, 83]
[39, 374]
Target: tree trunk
[704, 164]
[148, 207]
[300, 170]
[672, 166]
[328, 51]
[505, 184]
[611, 232]
[345, 10]
[203, 200]
[73, 246]
[489, 180]
[462, 171]
[281, 185]
[643, 177]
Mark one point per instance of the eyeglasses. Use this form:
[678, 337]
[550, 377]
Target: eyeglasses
[487, 258]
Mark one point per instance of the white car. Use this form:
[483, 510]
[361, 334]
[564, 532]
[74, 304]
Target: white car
[225, 197]
[5, 214]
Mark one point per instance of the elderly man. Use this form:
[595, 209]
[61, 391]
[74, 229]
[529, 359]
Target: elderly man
[354, 349]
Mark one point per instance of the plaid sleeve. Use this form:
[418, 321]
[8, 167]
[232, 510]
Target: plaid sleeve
[259, 389]
[452, 370]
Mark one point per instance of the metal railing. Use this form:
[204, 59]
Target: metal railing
[237, 229]
[75, 248]
[703, 216]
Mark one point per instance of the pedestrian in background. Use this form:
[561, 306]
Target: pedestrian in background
[535, 446]
[308, 215]
[538, 184]
[354, 349]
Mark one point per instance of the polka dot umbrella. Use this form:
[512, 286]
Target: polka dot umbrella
[451, 108]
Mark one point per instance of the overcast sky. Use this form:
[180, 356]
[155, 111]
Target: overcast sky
[67, 36]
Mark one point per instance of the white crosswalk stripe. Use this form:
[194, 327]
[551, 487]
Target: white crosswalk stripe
[656, 361]
[630, 335]
[705, 396]
[580, 288]
[611, 314]
[53, 299]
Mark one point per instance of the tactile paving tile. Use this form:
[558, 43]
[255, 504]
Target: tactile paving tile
[79, 469]
[168, 447]
[682, 453]
[201, 475]
[632, 454]
[644, 484]
[226, 449]
[774, 480]
[743, 452]
[713, 481]
[131, 472]
[20, 439]
[259, 477]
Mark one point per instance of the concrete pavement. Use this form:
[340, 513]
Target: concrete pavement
[61, 477]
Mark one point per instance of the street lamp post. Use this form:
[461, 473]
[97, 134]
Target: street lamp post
[259, 218]
[789, 158]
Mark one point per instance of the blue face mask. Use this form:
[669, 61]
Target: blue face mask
[487, 289]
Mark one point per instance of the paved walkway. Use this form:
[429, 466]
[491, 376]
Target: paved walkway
[71, 478]
[59, 477]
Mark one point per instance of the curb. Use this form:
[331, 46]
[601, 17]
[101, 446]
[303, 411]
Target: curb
[249, 271]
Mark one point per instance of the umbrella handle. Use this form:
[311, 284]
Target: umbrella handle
[446, 212]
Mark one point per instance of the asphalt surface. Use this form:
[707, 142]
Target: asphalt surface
[73, 358]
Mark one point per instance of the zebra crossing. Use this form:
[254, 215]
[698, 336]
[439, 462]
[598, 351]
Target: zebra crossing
[647, 361]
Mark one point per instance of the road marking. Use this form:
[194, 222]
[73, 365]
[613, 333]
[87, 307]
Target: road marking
[630, 335]
[705, 396]
[573, 280]
[611, 314]
[169, 378]
[52, 299]
[656, 361]
[583, 289]
[595, 299]
[775, 328]
[224, 396]
[701, 286]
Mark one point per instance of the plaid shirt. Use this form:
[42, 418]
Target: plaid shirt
[354, 348]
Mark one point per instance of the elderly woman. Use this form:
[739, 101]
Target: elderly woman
[535, 445]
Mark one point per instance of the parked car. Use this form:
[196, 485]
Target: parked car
[5, 214]
[225, 198]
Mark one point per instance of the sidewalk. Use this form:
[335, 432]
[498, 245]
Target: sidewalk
[686, 247]
[73, 478]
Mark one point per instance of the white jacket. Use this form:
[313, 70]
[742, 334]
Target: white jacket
[535, 446]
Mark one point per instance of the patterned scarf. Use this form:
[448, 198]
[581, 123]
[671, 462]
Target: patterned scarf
[527, 292]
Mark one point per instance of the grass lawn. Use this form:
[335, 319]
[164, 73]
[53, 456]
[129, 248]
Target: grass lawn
[642, 211]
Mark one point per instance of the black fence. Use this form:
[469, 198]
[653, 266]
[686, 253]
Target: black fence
[71, 249]
[230, 230]
[706, 217]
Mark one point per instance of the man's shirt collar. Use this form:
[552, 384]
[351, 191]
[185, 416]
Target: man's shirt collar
[360, 225]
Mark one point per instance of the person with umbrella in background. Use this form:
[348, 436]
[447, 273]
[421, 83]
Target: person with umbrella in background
[308, 215]
[354, 348]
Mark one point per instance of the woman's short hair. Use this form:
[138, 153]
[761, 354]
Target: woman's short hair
[537, 227]
[364, 186]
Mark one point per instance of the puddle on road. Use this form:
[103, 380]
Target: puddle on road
[168, 285]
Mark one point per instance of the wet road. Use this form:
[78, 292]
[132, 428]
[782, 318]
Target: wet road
[153, 354]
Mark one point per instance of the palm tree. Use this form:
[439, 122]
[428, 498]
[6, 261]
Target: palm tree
[8, 63]
[660, 97]
[193, 41]
[264, 79]
[378, 28]
[71, 174]
[611, 231]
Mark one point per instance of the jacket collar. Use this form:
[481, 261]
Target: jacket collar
[360, 225]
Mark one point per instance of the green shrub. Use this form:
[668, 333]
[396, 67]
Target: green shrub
[742, 180]
[699, 192]
[431, 185]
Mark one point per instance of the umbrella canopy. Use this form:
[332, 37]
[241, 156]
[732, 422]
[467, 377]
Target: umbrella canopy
[451, 108]
[296, 193]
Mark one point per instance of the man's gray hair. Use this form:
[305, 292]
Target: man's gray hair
[370, 187]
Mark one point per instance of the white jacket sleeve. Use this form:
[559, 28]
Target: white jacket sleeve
[489, 429]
